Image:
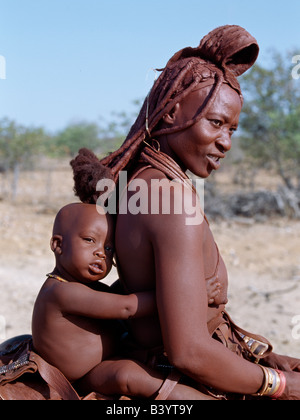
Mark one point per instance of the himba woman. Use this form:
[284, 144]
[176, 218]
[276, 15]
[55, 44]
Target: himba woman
[186, 123]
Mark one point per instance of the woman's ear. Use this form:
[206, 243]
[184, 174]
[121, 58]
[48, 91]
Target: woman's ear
[171, 117]
[56, 244]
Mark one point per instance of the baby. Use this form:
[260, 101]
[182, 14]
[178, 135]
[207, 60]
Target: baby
[74, 323]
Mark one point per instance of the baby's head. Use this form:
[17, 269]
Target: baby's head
[83, 243]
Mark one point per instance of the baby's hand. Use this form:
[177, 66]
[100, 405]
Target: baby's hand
[213, 287]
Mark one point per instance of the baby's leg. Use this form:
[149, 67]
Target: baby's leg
[127, 377]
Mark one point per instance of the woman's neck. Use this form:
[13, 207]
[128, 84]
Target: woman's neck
[165, 148]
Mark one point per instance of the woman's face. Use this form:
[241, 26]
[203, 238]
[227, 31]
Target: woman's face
[201, 147]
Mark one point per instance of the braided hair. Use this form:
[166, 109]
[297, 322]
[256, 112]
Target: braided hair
[221, 56]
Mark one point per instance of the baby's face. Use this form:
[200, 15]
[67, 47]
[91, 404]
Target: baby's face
[88, 248]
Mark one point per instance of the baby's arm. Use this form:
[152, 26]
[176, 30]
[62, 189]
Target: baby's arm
[78, 299]
[140, 304]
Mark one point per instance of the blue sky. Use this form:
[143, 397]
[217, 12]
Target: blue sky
[69, 60]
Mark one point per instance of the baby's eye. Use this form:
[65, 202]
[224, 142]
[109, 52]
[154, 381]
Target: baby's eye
[89, 240]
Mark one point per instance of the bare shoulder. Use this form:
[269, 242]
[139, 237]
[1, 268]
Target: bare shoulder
[161, 208]
[150, 173]
[174, 206]
[57, 292]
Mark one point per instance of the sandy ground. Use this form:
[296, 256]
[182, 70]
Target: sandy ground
[262, 261]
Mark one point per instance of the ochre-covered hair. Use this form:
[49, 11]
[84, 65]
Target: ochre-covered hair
[222, 55]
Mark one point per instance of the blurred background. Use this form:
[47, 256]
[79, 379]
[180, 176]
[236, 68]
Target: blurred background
[74, 73]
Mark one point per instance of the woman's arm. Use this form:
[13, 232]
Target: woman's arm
[182, 306]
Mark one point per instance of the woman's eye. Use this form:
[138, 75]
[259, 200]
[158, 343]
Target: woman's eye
[216, 123]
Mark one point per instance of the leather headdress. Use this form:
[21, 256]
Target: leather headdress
[231, 48]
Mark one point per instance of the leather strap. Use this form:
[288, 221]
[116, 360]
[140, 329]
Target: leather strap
[168, 385]
[263, 347]
[269, 347]
[54, 378]
[215, 323]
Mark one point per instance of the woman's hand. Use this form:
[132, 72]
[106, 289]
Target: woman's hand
[285, 363]
[291, 368]
[292, 389]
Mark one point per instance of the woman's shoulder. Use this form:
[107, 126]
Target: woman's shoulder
[147, 173]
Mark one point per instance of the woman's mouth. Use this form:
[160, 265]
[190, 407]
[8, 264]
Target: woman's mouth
[214, 161]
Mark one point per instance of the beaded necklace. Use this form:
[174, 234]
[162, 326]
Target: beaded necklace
[54, 276]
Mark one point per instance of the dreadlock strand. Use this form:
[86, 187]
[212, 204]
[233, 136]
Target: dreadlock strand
[170, 105]
[127, 156]
[170, 130]
[169, 88]
[108, 161]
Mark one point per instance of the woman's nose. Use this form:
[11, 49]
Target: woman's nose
[224, 141]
